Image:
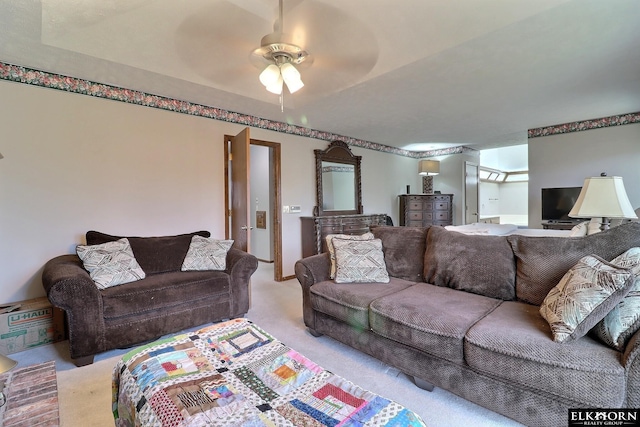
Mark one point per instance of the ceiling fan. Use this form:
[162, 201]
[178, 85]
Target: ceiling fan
[281, 55]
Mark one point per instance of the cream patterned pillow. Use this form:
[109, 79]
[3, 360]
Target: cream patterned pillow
[584, 296]
[624, 320]
[360, 261]
[206, 254]
[332, 253]
[110, 264]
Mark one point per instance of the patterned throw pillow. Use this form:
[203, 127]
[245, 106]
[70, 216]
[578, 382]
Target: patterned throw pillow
[624, 320]
[360, 261]
[110, 264]
[206, 254]
[584, 296]
[332, 253]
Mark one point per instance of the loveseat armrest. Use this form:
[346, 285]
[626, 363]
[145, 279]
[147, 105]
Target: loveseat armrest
[240, 266]
[311, 270]
[69, 287]
[631, 363]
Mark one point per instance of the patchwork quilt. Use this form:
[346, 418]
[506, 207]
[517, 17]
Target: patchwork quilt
[236, 374]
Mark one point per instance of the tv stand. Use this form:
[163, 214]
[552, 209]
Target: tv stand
[559, 224]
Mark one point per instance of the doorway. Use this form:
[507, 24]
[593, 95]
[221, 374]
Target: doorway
[260, 217]
[471, 180]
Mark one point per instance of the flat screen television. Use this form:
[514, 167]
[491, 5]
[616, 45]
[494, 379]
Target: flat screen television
[557, 203]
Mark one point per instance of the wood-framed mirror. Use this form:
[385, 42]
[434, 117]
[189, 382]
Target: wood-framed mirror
[338, 186]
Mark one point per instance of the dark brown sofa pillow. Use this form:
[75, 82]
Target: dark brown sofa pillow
[154, 254]
[403, 249]
[482, 265]
[542, 261]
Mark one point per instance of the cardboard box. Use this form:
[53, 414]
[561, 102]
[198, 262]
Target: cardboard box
[30, 324]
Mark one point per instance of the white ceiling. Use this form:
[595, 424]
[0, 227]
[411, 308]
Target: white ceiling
[414, 74]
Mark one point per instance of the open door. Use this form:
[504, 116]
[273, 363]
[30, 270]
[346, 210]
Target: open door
[240, 202]
[471, 179]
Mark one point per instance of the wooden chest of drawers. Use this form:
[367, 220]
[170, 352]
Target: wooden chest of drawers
[316, 228]
[420, 210]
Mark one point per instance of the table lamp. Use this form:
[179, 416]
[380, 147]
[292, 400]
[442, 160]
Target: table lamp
[6, 364]
[428, 169]
[603, 197]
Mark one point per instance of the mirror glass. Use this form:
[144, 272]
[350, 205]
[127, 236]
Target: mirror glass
[338, 188]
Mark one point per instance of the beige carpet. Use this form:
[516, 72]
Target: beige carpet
[85, 395]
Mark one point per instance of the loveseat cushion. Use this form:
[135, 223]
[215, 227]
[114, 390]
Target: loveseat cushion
[350, 302]
[163, 291]
[484, 265]
[542, 261]
[403, 249]
[430, 318]
[514, 343]
[154, 254]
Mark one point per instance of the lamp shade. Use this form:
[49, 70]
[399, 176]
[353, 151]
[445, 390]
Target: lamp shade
[6, 363]
[603, 196]
[429, 167]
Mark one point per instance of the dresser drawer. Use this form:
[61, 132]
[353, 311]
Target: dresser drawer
[415, 206]
[442, 206]
[414, 215]
[441, 216]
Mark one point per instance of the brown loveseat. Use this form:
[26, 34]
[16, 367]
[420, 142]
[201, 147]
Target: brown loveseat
[167, 300]
[462, 312]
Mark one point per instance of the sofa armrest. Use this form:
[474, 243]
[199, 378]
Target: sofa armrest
[631, 363]
[69, 287]
[240, 266]
[311, 270]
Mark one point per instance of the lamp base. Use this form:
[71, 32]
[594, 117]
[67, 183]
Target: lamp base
[605, 224]
[427, 184]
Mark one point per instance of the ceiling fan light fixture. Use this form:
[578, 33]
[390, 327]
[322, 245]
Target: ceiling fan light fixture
[291, 77]
[270, 75]
[276, 86]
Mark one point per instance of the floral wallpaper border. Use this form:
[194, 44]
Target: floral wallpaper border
[20, 74]
[624, 119]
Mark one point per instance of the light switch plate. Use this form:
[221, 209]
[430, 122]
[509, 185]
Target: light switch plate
[294, 208]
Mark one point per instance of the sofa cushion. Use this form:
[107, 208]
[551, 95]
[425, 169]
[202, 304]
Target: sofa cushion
[514, 343]
[403, 249]
[111, 263]
[154, 254]
[624, 319]
[349, 302]
[206, 254]
[584, 296]
[359, 261]
[160, 292]
[542, 261]
[429, 318]
[484, 265]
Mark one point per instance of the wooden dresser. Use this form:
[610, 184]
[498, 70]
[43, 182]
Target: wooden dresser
[420, 210]
[316, 228]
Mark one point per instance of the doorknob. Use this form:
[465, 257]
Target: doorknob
[244, 227]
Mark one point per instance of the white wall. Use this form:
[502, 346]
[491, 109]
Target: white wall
[260, 186]
[451, 180]
[566, 160]
[75, 163]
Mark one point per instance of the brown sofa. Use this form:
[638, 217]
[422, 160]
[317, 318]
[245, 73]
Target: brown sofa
[167, 300]
[462, 312]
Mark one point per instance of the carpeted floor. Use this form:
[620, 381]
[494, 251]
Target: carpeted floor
[85, 393]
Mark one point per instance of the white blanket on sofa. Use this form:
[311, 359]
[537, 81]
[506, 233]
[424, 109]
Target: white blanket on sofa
[487, 229]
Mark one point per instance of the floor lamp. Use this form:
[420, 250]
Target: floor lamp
[603, 197]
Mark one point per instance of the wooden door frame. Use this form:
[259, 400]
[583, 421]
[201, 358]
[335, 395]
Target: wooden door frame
[276, 211]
